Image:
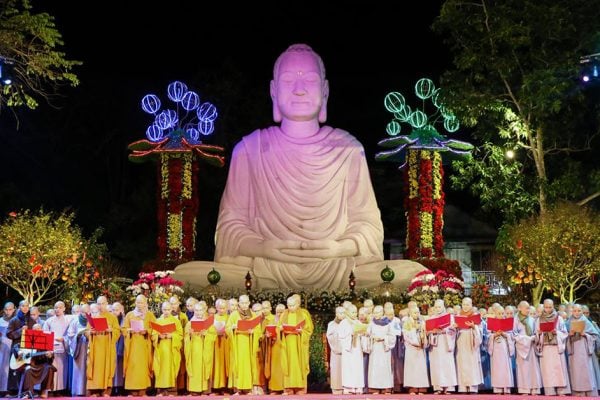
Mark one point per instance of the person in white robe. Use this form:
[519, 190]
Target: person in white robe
[468, 360]
[398, 350]
[551, 349]
[442, 364]
[382, 340]
[59, 324]
[580, 350]
[335, 360]
[416, 377]
[529, 378]
[501, 348]
[352, 340]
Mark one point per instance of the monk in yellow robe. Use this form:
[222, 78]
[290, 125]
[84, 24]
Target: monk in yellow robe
[276, 372]
[102, 350]
[167, 352]
[183, 319]
[232, 304]
[137, 360]
[221, 357]
[199, 348]
[244, 345]
[295, 346]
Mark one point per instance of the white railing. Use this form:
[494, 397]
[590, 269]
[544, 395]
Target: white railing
[492, 280]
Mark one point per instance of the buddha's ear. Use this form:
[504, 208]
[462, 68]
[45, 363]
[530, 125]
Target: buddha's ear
[276, 112]
[323, 111]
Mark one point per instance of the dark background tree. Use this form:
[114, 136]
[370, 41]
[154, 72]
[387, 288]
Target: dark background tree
[29, 50]
[515, 80]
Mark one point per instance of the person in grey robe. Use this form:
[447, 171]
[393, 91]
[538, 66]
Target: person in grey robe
[529, 378]
[78, 348]
[580, 350]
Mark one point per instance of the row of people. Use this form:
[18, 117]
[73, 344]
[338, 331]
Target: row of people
[218, 357]
[222, 359]
[378, 352]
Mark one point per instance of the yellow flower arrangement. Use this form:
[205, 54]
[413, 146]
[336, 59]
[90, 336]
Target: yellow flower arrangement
[186, 190]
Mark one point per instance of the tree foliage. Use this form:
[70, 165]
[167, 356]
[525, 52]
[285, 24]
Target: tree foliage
[43, 253]
[515, 80]
[500, 183]
[29, 43]
[558, 251]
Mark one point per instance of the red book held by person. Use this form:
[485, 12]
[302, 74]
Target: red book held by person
[163, 329]
[440, 322]
[500, 324]
[99, 324]
[461, 320]
[548, 326]
[199, 326]
[293, 328]
[271, 330]
[248, 324]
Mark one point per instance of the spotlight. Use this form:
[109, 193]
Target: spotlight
[5, 72]
[589, 67]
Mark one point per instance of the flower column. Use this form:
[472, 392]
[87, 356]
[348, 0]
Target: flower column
[177, 205]
[424, 203]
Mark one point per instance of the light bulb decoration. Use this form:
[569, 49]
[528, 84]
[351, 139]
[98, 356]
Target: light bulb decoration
[248, 282]
[173, 139]
[421, 154]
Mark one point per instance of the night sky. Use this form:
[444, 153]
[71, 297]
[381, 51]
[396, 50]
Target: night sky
[72, 153]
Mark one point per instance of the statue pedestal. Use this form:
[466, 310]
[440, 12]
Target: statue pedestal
[194, 273]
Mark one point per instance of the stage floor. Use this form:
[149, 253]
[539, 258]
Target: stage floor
[325, 396]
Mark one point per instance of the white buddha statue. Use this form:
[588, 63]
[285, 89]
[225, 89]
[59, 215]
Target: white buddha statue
[299, 210]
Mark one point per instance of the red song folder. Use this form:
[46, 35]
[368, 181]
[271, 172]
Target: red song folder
[271, 330]
[440, 322]
[461, 321]
[99, 324]
[163, 329]
[248, 324]
[199, 326]
[293, 328]
[38, 340]
[500, 324]
[548, 326]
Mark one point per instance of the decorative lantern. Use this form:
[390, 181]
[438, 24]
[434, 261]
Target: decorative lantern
[213, 277]
[352, 282]
[248, 282]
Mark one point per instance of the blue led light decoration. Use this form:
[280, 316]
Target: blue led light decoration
[173, 141]
[423, 135]
[187, 118]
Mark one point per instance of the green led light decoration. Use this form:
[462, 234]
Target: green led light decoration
[421, 155]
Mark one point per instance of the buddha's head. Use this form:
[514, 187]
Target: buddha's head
[299, 89]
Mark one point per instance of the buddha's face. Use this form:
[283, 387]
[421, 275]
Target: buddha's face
[298, 87]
